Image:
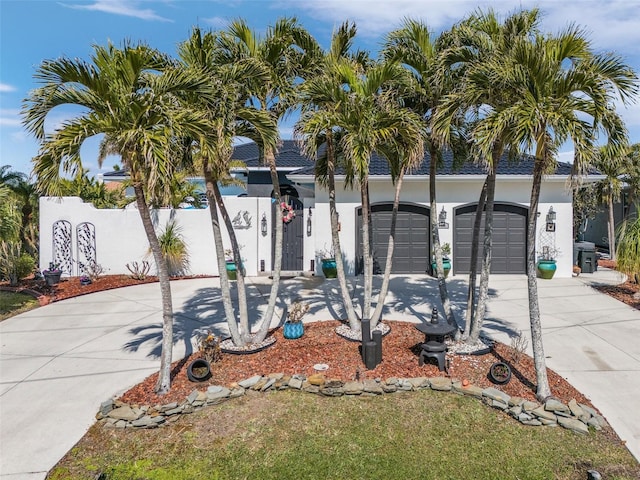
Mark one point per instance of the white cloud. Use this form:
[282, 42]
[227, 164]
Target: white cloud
[217, 22]
[121, 7]
[10, 117]
[565, 156]
[5, 88]
[612, 24]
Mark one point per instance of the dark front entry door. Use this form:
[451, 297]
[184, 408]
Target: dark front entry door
[411, 248]
[292, 242]
[508, 253]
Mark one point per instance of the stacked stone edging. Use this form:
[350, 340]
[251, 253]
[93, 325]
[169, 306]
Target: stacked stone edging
[573, 416]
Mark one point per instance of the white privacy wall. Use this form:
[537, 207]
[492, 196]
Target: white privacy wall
[120, 237]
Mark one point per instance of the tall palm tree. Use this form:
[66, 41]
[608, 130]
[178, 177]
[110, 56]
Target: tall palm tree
[129, 96]
[283, 52]
[565, 92]
[320, 96]
[415, 48]
[372, 119]
[473, 47]
[230, 117]
[609, 189]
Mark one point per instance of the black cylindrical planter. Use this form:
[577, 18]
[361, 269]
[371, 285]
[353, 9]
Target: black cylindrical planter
[369, 349]
[377, 337]
[366, 330]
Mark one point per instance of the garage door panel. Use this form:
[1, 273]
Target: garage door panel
[411, 237]
[509, 239]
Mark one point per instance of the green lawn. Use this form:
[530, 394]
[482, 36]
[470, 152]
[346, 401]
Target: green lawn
[14, 303]
[426, 435]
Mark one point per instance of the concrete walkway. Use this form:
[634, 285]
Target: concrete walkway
[59, 362]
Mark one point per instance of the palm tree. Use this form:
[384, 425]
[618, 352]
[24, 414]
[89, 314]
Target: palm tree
[564, 92]
[230, 117]
[629, 248]
[473, 47]
[26, 194]
[609, 189]
[129, 96]
[372, 119]
[284, 52]
[413, 46]
[320, 95]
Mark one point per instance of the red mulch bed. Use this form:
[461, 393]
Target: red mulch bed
[625, 291]
[320, 344]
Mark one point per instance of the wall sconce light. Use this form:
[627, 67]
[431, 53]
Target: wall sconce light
[442, 219]
[263, 225]
[309, 223]
[551, 220]
[551, 216]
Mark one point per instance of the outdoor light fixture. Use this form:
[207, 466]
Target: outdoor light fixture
[309, 223]
[442, 219]
[263, 225]
[551, 216]
[551, 220]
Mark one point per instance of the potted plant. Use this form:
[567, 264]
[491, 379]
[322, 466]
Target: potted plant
[328, 262]
[500, 373]
[546, 265]
[293, 326]
[85, 280]
[446, 261]
[52, 274]
[232, 272]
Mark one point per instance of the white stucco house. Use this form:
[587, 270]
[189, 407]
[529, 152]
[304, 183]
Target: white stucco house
[73, 233]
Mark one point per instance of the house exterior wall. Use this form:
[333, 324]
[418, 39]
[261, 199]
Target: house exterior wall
[452, 193]
[120, 237]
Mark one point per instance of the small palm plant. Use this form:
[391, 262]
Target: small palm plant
[628, 251]
[174, 249]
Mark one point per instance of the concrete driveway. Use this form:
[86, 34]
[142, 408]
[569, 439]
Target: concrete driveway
[59, 362]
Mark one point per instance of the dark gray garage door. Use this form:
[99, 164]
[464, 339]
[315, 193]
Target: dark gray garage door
[411, 252]
[509, 239]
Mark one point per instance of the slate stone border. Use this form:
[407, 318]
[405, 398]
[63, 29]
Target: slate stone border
[573, 416]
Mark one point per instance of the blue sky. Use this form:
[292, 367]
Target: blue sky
[32, 31]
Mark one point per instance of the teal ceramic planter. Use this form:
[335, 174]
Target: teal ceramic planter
[293, 330]
[231, 271]
[329, 267]
[446, 265]
[546, 269]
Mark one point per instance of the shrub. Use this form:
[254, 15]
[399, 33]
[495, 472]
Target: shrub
[174, 249]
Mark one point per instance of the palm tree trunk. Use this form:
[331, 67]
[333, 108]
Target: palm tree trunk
[164, 378]
[543, 390]
[473, 269]
[225, 287]
[243, 312]
[483, 290]
[239, 330]
[354, 324]
[270, 158]
[366, 250]
[612, 230]
[382, 295]
[435, 237]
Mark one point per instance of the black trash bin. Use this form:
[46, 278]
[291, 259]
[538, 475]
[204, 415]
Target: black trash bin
[587, 261]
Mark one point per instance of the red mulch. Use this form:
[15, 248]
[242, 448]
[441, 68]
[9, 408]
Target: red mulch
[320, 344]
[625, 291]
